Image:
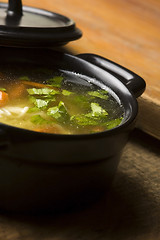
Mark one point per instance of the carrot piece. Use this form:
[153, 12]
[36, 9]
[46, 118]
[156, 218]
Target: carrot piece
[38, 85]
[3, 98]
[98, 129]
[49, 129]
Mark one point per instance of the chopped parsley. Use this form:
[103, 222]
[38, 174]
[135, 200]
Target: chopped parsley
[95, 117]
[97, 110]
[33, 109]
[38, 120]
[59, 112]
[84, 120]
[42, 91]
[66, 92]
[55, 81]
[42, 97]
[41, 103]
[3, 89]
[99, 93]
[113, 123]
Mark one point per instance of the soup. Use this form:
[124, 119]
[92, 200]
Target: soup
[45, 100]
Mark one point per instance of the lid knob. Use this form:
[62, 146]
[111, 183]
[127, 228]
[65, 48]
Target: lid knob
[14, 12]
[25, 26]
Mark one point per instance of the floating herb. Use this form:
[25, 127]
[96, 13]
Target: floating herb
[3, 89]
[99, 93]
[113, 123]
[42, 91]
[59, 112]
[38, 120]
[94, 117]
[55, 81]
[66, 92]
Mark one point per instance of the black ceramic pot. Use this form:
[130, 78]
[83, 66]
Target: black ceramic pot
[40, 171]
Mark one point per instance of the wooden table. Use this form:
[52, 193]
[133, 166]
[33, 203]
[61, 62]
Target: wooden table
[126, 32]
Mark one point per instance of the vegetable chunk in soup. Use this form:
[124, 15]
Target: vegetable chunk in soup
[44, 100]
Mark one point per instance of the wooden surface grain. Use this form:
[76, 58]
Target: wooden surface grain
[126, 32]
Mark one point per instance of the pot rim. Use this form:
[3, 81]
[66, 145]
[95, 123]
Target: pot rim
[129, 117]
[124, 124]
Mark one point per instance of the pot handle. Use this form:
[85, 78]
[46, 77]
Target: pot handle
[133, 82]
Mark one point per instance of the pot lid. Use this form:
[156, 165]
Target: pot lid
[22, 26]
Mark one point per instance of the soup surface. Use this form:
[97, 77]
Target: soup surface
[44, 100]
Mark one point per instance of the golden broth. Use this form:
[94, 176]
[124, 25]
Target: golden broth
[44, 100]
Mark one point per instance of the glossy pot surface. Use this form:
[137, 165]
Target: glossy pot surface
[51, 171]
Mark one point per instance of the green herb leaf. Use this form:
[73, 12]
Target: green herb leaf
[113, 123]
[3, 89]
[33, 109]
[66, 92]
[100, 94]
[55, 81]
[54, 112]
[97, 110]
[40, 103]
[38, 120]
[59, 112]
[84, 120]
[93, 118]
[42, 91]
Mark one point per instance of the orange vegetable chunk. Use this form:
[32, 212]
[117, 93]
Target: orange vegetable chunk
[3, 98]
